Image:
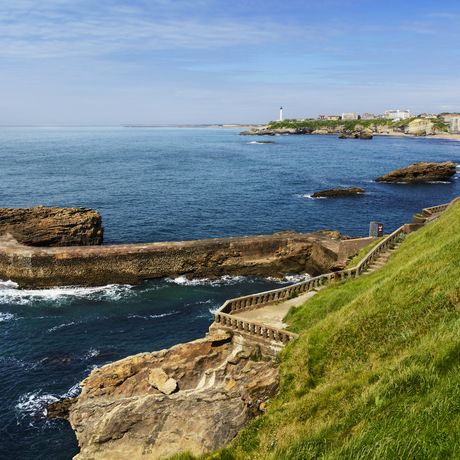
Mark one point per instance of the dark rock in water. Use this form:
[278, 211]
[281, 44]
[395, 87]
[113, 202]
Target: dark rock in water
[258, 132]
[421, 172]
[338, 192]
[359, 134]
[60, 409]
[42, 226]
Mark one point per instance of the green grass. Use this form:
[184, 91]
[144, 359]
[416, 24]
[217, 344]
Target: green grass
[375, 373]
[351, 125]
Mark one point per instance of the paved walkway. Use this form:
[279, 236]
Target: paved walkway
[273, 314]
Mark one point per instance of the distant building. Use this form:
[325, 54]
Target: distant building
[281, 113]
[349, 116]
[397, 114]
[454, 124]
[368, 116]
[333, 117]
[321, 117]
[448, 117]
[427, 115]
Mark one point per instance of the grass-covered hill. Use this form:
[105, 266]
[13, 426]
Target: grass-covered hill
[375, 373]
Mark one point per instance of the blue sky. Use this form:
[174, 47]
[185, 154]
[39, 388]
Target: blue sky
[111, 62]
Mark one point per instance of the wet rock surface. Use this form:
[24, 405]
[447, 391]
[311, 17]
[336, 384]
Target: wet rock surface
[220, 387]
[338, 192]
[44, 226]
[421, 172]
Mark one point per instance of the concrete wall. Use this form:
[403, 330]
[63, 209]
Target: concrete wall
[266, 255]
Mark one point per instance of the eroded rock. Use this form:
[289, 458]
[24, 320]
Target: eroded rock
[220, 387]
[43, 226]
[421, 172]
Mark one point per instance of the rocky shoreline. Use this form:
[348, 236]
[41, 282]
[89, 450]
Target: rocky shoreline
[418, 127]
[127, 410]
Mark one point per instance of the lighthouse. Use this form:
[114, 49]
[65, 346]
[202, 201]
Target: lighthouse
[281, 113]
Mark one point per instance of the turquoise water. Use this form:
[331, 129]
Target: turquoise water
[168, 184]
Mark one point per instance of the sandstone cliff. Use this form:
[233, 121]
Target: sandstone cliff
[192, 397]
[43, 226]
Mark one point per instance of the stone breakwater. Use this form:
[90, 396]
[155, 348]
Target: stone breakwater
[265, 255]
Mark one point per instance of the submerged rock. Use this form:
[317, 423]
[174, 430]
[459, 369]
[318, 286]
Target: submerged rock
[338, 192]
[421, 172]
[43, 226]
[220, 387]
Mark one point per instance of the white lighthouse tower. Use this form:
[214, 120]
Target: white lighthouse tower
[281, 113]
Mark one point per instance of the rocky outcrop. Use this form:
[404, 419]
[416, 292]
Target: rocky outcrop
[273, 132]
[356, 134]
[420, 127]
[338, 192]
[43, 226]
[421, 172]
[219, 387]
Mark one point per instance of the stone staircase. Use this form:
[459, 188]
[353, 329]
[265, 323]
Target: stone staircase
[382, 259]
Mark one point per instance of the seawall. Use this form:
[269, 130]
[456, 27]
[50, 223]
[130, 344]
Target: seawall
[265, 255]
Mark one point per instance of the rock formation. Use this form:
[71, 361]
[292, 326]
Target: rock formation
[338, 192]
[421, 172]
[42, 226]
[356, 134]
[124, 413]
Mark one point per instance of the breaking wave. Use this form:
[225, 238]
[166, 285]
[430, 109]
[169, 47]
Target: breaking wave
[11, 293]
[32, 407]
[5, 316]
[222, 281]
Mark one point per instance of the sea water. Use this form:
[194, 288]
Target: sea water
[153, 184]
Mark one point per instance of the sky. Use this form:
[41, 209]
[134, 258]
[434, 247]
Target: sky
[115, 62]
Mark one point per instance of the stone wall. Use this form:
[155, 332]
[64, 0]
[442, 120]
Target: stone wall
[266, 255]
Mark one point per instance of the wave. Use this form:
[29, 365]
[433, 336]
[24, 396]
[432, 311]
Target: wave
[439, 182]
[310, 197]
[260, 143]
[60, 326]
[11, 293]
[161, 315]
[91, 353]
[32, 406]
[222, 281]
[5, 316]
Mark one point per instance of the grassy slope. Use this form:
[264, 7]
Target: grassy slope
[375, 373]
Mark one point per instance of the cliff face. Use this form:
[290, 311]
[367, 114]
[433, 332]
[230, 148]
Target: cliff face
[42, 226]
[192, 397]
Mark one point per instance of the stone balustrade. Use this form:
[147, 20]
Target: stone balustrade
[227, 315]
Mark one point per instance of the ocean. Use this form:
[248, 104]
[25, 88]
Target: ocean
[160, 184]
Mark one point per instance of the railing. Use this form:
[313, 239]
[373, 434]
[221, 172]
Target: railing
[435, 209]
[254, 328]
[226, 317]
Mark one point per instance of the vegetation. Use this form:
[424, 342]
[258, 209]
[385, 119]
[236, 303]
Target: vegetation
[375, 373]
[352, 125]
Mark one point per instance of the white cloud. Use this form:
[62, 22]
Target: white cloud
[56, 28]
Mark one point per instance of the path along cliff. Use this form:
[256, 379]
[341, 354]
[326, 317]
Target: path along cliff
[195, 397]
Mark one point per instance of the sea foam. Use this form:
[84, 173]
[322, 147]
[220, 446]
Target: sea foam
[11, 294]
